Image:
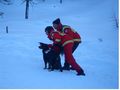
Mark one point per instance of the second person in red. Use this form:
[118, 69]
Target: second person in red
[69, 31]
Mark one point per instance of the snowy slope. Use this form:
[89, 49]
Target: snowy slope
[21, 62]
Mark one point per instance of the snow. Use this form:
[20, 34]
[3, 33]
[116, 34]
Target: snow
[21, 62]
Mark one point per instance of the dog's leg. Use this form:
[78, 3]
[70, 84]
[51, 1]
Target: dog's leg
[45, 65]
[59, 63]
[51, 64]
[45, 59]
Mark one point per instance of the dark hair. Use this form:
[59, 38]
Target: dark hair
[48, 29]
[57, 21]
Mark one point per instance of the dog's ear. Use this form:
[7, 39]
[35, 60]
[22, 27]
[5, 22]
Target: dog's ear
[43, 44]
[40, 47]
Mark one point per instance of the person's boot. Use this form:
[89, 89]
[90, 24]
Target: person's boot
[81, 73]
[61, 70]
[66, 66]
[71, 68]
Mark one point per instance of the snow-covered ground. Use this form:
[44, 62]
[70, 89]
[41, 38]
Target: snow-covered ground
[21, 62]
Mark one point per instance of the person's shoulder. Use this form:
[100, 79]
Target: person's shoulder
[66, 27]
[55, 32]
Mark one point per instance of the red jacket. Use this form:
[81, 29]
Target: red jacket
[68, 30]
[71, 32]
[60, 38]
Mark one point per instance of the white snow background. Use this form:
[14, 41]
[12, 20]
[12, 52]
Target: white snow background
[21, 62]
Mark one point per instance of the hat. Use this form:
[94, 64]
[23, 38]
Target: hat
[48, 29]
[57, 21]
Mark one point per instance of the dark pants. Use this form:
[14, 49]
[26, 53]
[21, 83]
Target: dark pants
[66, 65]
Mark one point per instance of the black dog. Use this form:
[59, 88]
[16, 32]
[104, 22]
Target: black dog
[51, 58]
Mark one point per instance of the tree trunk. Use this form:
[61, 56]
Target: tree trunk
[6, 29]
[27, 9]
[61, 1]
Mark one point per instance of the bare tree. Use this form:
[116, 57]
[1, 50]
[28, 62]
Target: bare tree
[115, 19]
[27, 4]
[27, 9]
[116, 22]
[6, 2]
[1, 14]
[61, 1]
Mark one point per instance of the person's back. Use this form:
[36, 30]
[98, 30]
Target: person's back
[64, 38]
[71, 32]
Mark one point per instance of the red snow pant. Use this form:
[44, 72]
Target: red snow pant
[69, 57]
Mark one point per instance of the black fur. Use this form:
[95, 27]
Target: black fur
[51, 58]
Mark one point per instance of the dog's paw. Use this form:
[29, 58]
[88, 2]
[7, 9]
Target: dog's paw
[61, 70]
[50, 70]
[44, 68]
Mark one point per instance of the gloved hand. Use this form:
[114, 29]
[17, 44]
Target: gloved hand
[80, 41]
[56, 48]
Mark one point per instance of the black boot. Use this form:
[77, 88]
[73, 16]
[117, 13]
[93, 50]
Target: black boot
[71, 68]
[81, 73]
[66, 66]
[61, 70]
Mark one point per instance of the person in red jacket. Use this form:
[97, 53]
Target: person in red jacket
[67, 43]
[69, 31]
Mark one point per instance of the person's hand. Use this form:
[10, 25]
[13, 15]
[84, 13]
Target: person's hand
[80, 41]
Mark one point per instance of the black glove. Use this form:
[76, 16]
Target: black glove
[60, 48]
[80, 41]
[58, 45]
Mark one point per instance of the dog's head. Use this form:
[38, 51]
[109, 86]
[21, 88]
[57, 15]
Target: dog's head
[43, 46]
